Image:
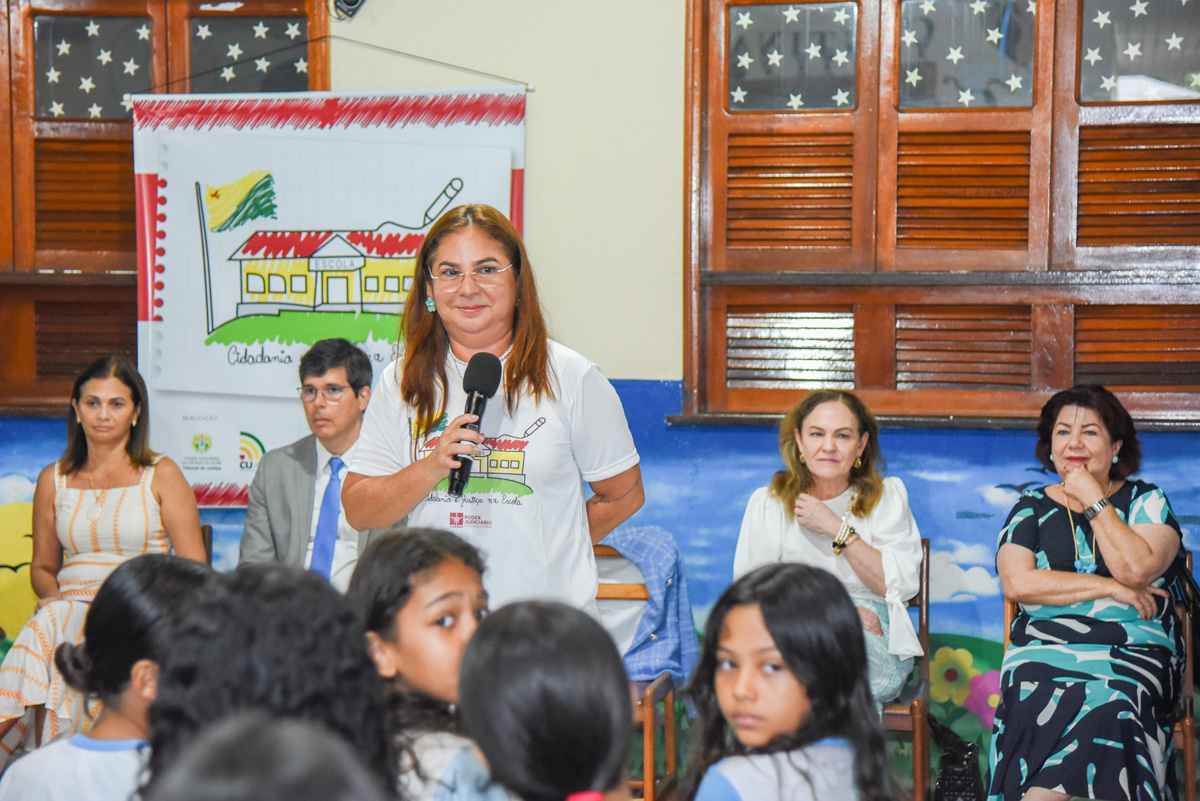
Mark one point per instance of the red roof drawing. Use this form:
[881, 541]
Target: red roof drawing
[506, 444]
[284, 244]
[385, 245]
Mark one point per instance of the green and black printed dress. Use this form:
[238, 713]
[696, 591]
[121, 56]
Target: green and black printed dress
[1088, 690]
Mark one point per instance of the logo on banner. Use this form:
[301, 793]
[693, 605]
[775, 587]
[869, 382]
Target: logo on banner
[250, 451]
[456, 519]
[201, 443]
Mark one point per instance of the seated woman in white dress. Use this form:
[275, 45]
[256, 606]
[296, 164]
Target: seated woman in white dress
[831, 508]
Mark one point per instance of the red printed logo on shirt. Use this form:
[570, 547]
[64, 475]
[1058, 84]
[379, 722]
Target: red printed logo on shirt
[456, 519]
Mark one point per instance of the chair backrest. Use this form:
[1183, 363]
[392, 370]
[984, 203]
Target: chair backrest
[206, 538]
[606, 591]
[921, 602]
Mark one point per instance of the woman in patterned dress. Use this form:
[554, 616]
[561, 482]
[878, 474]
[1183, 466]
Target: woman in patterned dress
[108, 499]
[1091, 680]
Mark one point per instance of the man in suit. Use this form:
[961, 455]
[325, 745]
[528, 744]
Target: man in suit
[294, 514]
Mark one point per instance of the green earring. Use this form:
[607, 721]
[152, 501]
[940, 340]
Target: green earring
[1114, 458]
[429, 304]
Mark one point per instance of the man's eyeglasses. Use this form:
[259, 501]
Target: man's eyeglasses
[452, 277]
[333, 393]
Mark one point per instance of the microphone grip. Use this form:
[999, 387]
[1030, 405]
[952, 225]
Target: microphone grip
[476, 403]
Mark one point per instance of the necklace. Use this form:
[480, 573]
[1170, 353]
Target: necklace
[93, 508]
[459, 364]
[1079, 566]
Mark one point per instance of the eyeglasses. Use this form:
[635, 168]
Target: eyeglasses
[452, 277]
[333, 393]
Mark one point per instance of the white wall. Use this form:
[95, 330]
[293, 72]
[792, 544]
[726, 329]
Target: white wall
[604, 167]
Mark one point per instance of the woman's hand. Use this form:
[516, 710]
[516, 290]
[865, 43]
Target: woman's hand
[815, 515]
[870, 621]
[1140, 598]
[1081, 485]
[456, 441]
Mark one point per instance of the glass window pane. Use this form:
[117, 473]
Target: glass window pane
[249, 54]
[1147, 51]
[960, 54]
[85, 66]
[792, 57]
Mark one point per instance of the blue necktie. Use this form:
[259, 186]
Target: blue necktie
[327, 522]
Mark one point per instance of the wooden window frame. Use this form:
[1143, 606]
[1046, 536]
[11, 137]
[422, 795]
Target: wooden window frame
[1053, 276]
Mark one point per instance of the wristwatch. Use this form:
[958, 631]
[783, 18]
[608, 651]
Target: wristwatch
[1096, 508]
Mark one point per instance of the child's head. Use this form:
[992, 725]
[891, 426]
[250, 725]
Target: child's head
[420, 596]
[783, 665]
[543, 694]
[278, 639]
[129, 628]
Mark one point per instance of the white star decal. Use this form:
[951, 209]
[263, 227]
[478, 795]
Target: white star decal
[813, 50]
[92, 28]
[774, 58]
[842, 97]
[791, 14]
[127, 102]
[979, 6]
[795, 103]
[261, 64]
[1133, 50]
[1032, 7]
[260, 30]
[228, 74]
[841, 17]
[840, 58]
[94, 111]
[744, 21]
[64, 48]
[1195, 80]
[744, 61]
[909, 38]
[739, 95]
[1093, 55]
[927, 7]
[52, 75]
[131, 67]
[143, 33]
[1102, 19]
[293, 30]
[301, 66]
[1014, 83]
[203, 32]
[56, 109]
[955, 55]
[913, 77]
[1139, 8]
[1174, 41]
[105, 57]
[965, 97]
[994, 36]
[86, 86]
[1109, 83]
[234, 51]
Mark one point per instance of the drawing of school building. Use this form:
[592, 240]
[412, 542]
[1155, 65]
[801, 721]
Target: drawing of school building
[327, 270]
[503, 457]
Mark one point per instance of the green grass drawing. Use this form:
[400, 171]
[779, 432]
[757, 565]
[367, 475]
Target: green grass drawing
[305, 328]
[482, 486]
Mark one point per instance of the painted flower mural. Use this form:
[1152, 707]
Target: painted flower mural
[950, 675]
[983, 696]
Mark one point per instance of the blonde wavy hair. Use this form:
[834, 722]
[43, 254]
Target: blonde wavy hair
[796, 478]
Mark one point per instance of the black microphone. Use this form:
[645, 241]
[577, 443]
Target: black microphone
[480, 382]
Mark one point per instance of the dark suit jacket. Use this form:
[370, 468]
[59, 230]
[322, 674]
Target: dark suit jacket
[280, 510]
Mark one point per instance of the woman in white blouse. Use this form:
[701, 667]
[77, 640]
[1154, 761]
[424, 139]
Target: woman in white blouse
[831, 508]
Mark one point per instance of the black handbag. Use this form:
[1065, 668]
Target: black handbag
[958, 777]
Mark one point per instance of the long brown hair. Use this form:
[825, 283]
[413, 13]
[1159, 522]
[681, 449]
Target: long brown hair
[865, 479]
[425, 338]
[137, 447]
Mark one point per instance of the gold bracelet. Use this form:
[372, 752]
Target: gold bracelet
[846, 535]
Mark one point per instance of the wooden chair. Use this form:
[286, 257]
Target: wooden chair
[1185, 728]
[646, 695]
[206, 538]
[908, 712]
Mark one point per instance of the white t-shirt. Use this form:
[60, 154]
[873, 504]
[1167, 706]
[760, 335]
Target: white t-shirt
[771, 533]
[523, 507]
[76, 768]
